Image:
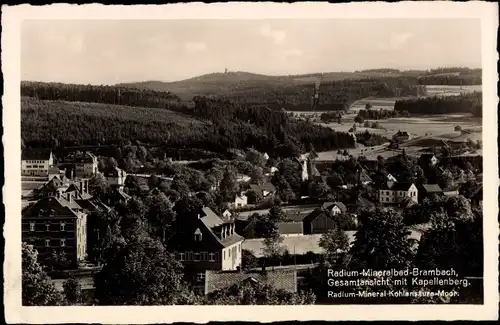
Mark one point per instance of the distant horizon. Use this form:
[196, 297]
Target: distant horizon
[128, 50]
[254, 73]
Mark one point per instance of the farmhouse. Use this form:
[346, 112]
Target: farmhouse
[321, 220]
[240, 200]
[290, 228]
[396, 192]
[115, 177]
[267, 189]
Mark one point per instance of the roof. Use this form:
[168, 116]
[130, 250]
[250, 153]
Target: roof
[296, 216]
[432, 188]
[35, 154]
[290, 228]
[329, 205]
[478, 193]
[364, 203]
[279, 279]
[210, 220]
[364, 177]
[400, 186]
[263, 187]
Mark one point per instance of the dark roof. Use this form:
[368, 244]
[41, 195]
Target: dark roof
[35, 154]
[297, 216]
[399, 186]
[290, 228]
[210, 220]
[364, 177]
[432, 188]
[281, 280]
[478, 193]
[263, 187]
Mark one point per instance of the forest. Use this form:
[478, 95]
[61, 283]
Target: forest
[380, 114]
[212, 126]
[463, 103]
[100, 94]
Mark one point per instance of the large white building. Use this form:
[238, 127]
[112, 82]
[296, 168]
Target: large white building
[35, 162]
[397, 192]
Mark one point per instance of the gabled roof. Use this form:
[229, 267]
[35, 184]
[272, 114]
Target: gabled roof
[330, 205]
[51, 203]
[399, 186]
[210, 220]
[280, 280]
[35, 154]
[432, 188]
[290, 228]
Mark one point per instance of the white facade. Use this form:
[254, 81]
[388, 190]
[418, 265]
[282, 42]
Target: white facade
[240, 201]
[336, 210]
[231, 257]
[389, 196]
[36, 167]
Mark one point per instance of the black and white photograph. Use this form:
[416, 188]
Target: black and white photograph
[220, 161]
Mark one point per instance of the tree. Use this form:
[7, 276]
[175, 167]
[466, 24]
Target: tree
[141, 272]
[160, 216]
[335, 241]
[368, 106]
[276, 214]
[229, 186]
[312, 154]
[358, 119]
[272, 243]
[73, 290]
[98, 185]
[381, 242]
[254, 197]
[284, 190]
[255, 158]
[257, 175]
[458, 128]
[37, 287]
[249, 293]
[248, 260]
[318, 189]
[354, 127]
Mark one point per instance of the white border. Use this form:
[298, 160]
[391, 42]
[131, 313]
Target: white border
[11, 19]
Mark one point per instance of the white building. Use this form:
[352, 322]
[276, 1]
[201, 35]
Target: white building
[36, 162]
[240, 201]
[397, 192]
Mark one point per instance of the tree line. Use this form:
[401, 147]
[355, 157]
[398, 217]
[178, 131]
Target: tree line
[100, 94]
[463, 103]
[380, 114]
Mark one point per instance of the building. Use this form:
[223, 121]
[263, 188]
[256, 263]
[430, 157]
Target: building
[56, 224]
[391, 178]
[84, 164]
[360, 203]
[397, 192]
[290, 228]
[428, 159]
[267, 189]
[477, 197]
[240, 201]
[285, 280]
[428, 190]
[115, 177]
[334, 207]
[266, 156]
[320, 221]
[401, 137]
[450, 191]
[207, 243]
[36, 162]
[226, 215]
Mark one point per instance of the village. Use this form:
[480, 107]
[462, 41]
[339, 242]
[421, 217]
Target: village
[266, 225]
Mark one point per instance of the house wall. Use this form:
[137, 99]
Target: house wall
[241, 201]
[35, 167]
[336, 210]
[322, 224]
[231, 257]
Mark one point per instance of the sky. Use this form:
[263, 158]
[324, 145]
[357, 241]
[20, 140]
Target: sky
[115, 51]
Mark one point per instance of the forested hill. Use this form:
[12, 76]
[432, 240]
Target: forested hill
[213, 127]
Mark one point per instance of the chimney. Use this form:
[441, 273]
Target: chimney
[81, 183]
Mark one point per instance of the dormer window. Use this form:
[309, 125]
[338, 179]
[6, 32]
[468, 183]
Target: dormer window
[62, 242]
[197, 235]
[52, 212]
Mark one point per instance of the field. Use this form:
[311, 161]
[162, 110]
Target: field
[433, 90]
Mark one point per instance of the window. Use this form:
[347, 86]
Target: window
[211, 257]
[189, 256]
[204, 256]
[200, 276]
[217, 257]
[63, 224]
[32, 226]
[196, 257]
[229, 253]
[47, 225]
[47, 242]
[223, 255]
[62, 242]
[197, 235]
[181, 257]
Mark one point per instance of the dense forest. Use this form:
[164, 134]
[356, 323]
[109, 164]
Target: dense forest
[212, 125]
[333, 95]
[100, 94]
[464, 103]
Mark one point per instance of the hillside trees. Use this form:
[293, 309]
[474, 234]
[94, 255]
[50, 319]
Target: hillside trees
[463, 103]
